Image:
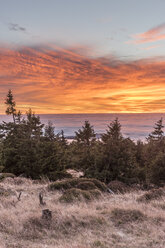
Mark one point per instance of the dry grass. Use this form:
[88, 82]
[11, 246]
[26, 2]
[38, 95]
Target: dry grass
[154, 194]
[117, 221]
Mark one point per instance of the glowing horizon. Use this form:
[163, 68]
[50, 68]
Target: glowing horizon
[87, 56]
[52, 80]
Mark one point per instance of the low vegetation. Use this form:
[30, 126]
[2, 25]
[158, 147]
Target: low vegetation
[125, 216]
[73, 195]
[79, 183]
[81, 218]
[154, 194]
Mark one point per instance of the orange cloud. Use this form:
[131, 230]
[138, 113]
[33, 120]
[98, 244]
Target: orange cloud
[152, 35]
[53, 80]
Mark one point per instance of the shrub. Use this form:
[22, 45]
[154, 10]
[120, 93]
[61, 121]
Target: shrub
[86, 185]
[1, 168]
[53, 176]
[73, 183]
[74, 194]
[100, 185]
[157, 169]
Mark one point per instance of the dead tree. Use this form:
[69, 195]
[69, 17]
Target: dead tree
[18, 199]
[19, 196]
[41, 199]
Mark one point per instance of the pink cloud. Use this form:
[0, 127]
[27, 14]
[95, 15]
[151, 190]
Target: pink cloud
[150, 47]
[64, 81]
[152, 35]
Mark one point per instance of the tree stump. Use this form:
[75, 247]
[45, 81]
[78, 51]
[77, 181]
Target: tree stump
[46, 214]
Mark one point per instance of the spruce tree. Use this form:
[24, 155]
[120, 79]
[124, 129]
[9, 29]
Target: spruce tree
[11, 105]
[113, 132]
[158, 133]
[86, 135]
[49, 131]
[34, 125]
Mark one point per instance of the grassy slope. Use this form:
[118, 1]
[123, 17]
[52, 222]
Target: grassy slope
[117, 221]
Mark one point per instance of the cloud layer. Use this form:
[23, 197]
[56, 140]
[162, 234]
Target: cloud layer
[154, 34]
[57, 80]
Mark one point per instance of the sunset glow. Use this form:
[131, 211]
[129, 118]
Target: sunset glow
[61, 81]
[83, 56]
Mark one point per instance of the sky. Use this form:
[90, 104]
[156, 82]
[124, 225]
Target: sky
[83, 56]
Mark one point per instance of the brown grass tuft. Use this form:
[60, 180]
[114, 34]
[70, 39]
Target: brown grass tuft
[154, 194]
[125, 216]
[6, 192]
[5, 175]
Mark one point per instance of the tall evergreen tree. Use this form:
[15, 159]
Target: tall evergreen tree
[35, 127]
[118, 155]
[155, 154]
[86, 135]
[81, 149]
[49, 131]
[113, 132]
[158, 132]
[11, 105]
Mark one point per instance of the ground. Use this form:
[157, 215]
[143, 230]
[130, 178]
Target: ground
[112, 221]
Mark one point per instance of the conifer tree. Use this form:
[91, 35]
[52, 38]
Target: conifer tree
[158, 133]
[50, 131]
[63, 140]
[118, 156]
[86, 135]
[34, 125]
[113, 132]
[11, 110]
[81, 148]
